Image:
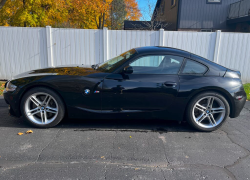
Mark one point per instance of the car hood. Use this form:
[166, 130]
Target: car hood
[71, 71]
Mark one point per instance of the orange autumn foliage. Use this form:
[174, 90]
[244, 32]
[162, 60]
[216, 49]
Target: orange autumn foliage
[133, 11]
[32, 13]
[87, 14]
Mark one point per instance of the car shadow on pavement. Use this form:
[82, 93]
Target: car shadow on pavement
[126, 125]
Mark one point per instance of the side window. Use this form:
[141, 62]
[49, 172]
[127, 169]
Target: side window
[148, 61]
[157, 64]
[192, 67]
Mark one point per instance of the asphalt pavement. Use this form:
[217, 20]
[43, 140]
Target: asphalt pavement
[124, 149]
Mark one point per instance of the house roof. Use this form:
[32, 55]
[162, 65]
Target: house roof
[157, 6]
[145, 25]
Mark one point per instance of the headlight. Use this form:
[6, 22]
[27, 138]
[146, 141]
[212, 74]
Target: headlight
[10, 87]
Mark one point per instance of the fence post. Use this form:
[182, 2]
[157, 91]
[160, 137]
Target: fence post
[105, 44]
[161, 37]
[49, 47]
[217, 46]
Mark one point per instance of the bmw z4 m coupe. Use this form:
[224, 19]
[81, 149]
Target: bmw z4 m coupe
[146, 82]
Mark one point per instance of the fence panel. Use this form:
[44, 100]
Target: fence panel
[21, 49]
[75, 47]
[234, 53]
[121, 41]
[24, 49]
[200, 43]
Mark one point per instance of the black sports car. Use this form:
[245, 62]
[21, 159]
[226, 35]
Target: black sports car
[145, 82]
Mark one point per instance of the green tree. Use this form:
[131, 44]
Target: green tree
[117, 14]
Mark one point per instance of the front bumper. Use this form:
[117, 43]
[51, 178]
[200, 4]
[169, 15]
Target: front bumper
[10, 99]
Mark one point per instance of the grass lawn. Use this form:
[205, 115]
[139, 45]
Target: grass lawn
[247, 89]
[1, 87]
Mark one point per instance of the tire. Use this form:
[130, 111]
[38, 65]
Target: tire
[41, 107]
[204, 117]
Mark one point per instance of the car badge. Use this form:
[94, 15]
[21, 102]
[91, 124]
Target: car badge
[96, 92]
[86, 91]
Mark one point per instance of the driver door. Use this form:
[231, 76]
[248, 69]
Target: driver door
[152, 87]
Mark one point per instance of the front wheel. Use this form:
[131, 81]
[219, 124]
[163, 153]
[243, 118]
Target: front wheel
[208, 111]
[42, 107]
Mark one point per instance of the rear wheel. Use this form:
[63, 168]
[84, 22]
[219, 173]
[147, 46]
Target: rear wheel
[42, 107]
[208, 111]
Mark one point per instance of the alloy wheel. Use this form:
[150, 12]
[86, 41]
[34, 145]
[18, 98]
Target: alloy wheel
[41, 108]
[209, 112]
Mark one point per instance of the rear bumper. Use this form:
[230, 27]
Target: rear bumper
[10, 99]
[238, 105]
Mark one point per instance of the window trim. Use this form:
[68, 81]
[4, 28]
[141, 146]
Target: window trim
[214, 2]
[119, 70]
[182, 68]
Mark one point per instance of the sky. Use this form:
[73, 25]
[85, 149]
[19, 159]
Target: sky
[144, 7]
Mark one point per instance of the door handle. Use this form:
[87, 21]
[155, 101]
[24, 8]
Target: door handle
[170, 84]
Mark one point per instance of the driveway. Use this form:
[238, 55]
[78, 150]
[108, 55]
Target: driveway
[124, 149]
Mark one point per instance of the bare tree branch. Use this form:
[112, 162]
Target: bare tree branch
[153, 24]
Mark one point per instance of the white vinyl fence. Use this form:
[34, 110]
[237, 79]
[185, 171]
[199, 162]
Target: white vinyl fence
[23, 49]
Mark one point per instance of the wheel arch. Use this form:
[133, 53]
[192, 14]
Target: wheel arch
[221, 91]
[44, 86]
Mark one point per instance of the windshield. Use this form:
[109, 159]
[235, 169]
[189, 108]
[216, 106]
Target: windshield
[114, 63]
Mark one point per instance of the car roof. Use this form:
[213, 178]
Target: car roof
[162, 49]
[213, 67]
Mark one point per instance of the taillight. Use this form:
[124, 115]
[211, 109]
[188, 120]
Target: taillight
[233, 74]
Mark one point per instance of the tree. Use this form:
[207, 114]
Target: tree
[101, 8]
[89, 14]
[151, 13]
[80, 14]
[133, 11]
[117, 14]
[33, 13]
[2, 2]
[121, 10]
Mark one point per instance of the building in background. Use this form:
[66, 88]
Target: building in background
[239, 16]
[146, 25]
[204, 15]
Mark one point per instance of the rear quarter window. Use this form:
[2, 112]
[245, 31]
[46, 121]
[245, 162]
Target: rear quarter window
[193, 67]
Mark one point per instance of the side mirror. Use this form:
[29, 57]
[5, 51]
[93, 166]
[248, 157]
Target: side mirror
[128, 70]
